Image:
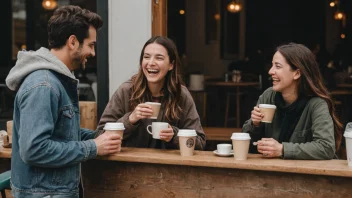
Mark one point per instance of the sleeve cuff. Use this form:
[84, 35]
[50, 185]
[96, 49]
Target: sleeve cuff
[90, 149]
[288, 152]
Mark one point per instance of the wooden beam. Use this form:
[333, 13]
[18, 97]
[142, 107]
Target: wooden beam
[159, 20]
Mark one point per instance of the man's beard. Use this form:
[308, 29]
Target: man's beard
[78, 60]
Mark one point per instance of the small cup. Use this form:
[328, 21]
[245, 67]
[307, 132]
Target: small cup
[224, 148]
[156, 128]
[114, 127]
[187, 141]
[348, 137]
[240, 142]
[268, 110]
[156, 108]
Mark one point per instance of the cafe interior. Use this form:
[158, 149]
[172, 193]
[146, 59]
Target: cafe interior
[226, 49]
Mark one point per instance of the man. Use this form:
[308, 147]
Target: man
[48, 144]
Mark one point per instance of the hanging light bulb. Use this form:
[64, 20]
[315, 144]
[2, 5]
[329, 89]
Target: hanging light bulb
[234, 7]
[339, 15]
[49, 4]
[332, 4]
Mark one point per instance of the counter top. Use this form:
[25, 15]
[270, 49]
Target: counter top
[209, 159]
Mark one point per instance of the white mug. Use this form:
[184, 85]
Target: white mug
[156, 128]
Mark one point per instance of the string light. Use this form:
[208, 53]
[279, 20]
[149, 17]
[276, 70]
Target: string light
[234, 7]
[49, 4]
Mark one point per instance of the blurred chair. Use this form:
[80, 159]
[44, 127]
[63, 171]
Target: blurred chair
[5, 182]
[200, 100]
[95, 90]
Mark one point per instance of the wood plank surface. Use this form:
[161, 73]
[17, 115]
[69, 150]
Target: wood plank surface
[209, 159]
[127, 179]
[219, 133]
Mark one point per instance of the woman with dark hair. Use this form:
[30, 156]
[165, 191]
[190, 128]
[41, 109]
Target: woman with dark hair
[157, 80]
[305, 125]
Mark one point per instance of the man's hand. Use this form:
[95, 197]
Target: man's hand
[108, 143]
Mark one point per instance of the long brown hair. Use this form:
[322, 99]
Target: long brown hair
[310, 83]
[172, 84]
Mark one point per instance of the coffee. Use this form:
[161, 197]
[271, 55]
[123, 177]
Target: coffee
[187, 141]
[268, 110]
[240, 143]
[156, 128]
[155, 108]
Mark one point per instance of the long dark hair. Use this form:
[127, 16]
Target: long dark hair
[310, 83]
[172, 85]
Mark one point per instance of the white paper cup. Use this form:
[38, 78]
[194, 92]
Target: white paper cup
[240, 143]
[156, 108]
[187, 141]
[348, 138]
[115, 127]
[224, 148]
[269, 111]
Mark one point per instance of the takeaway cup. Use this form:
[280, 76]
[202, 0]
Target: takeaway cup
[187, 141]
[348, 136]
[156, 108]
[240, 143]
[268, 110]
[114, 127]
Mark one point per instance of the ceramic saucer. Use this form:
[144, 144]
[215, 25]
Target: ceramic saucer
[223, 155]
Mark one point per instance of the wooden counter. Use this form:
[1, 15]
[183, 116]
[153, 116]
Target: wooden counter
[139, 172]
[219, 133]
[209, 159]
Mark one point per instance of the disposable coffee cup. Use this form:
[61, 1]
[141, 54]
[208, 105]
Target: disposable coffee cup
[156, 108]
[268, 110]
[240, 143]
[114, 127]
[187, 141]
[224, 148]
[348, 138]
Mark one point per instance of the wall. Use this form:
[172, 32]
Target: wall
[129, 29]
[201, 57]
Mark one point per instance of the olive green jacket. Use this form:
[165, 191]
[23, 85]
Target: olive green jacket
[313, 136]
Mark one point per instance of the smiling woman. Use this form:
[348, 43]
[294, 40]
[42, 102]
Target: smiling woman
[304, 125]
[158, 80]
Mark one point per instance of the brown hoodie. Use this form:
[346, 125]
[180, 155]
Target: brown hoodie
[118, 110]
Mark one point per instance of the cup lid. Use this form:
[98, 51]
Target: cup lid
[114, 126]
[187, 132]
[271, 106]
[240, 136]
[154, 103]
[347, 134]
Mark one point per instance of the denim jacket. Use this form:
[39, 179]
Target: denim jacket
[48, 144]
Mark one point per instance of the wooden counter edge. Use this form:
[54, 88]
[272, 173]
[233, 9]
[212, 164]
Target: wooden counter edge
[208, 159]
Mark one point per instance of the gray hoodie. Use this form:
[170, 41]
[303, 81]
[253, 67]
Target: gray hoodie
[29, 61]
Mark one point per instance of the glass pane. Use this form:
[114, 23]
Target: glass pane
[19, 26]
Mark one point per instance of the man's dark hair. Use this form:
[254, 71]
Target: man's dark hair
[71, 20]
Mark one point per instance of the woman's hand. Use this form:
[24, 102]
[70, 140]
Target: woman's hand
[167, 134]
[140, 112]
[269, 147]
[256, 116]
